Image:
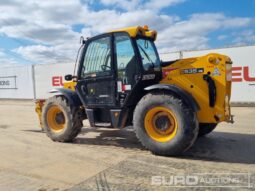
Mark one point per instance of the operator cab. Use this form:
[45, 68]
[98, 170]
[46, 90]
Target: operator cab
[114, 69]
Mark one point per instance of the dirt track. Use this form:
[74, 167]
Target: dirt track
[108, 159]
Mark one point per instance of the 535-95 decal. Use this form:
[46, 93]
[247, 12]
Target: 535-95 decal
[192, 71]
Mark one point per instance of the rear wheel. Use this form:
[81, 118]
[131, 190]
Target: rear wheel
[164, 124]
[206, 128]
[61, 121]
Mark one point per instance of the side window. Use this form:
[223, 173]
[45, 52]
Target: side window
[126, 61]
[124, 50]
[97, 57]
[148, 53]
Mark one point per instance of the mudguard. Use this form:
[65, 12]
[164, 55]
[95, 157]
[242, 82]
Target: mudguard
[187, 97]
[70, 95]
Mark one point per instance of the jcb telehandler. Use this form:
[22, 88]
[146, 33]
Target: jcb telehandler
[120, 80]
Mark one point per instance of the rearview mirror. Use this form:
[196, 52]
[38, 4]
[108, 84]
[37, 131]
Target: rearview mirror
[82, 40]
[68, 77]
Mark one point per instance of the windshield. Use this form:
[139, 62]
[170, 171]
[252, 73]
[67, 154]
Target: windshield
[149, 54]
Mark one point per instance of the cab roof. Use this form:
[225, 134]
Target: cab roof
[138, 31]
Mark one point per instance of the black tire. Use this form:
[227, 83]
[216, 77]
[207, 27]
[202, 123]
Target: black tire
[72, 120]
[187, 130]
[206, 128]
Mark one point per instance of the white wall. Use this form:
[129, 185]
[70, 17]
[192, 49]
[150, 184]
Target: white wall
[16, 82]
[48, 77]
[170, 56]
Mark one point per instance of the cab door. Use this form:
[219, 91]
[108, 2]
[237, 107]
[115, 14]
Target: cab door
[96, 84]
[127, 66]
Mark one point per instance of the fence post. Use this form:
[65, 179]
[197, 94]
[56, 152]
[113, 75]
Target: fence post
[181, 55]
[33, 80]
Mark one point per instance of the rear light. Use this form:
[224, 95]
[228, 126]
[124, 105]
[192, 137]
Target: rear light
[229, 71]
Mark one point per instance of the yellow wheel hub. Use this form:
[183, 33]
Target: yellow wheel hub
[161, 124]
[55, 118]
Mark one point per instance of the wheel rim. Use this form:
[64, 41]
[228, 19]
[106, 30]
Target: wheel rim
[55, 118]
[161, 124]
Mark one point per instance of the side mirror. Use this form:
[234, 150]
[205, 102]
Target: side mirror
[82, 40]
[69, 77]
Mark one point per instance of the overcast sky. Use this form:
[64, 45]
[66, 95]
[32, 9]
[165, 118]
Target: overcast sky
[48, 31]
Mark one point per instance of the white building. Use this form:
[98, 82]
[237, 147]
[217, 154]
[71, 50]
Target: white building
[34, 81]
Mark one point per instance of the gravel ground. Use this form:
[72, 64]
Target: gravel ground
[109, 159]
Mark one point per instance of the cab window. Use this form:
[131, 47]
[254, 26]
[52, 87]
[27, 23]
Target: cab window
[126, 60]
[124, 51]
[149, 55]
[97, 58]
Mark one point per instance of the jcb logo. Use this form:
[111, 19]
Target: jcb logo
[242, 74]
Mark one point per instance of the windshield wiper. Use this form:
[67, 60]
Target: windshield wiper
[147, 56]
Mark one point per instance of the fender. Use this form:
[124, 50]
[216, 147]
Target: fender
[187, 97]
[70, 95]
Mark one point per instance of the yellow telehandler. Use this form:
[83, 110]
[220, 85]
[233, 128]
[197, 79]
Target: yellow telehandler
[121, 81]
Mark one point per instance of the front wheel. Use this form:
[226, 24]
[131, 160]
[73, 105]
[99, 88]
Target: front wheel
[61, 121]
[164, 124]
